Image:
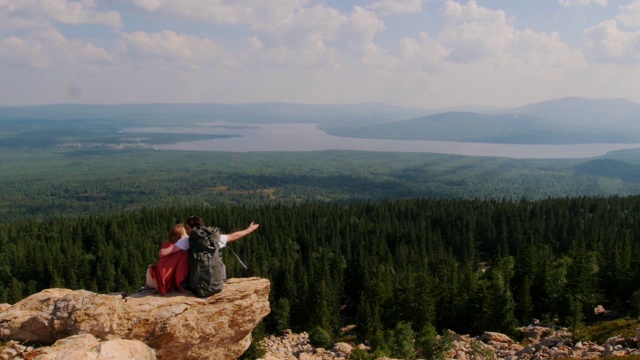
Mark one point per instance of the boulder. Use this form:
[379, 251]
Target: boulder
[342, 349]
[177, 326]
[80, 347]
[534, 332]
[550, 341]
[496, 336]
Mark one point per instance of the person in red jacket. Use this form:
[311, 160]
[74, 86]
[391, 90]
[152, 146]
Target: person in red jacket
[172, 267]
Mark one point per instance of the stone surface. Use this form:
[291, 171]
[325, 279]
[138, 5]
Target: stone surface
[497, 337]
[342, 349]
[177, 326]
[80, 347]
[544, 343]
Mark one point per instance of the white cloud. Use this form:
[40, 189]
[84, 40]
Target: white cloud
[630, 15]
[616, 40]
[174, 49]
[50, 49]
[319, 37]
[422, 54]
[389, 7]
[362, 26]
[17, 51]
[257, 14]
[38, 13]
[474, 32]
[76, 13]
[288, 31]
[458, 52]
[32, 38]
[606, 43]
[478, 49]
[568, 3]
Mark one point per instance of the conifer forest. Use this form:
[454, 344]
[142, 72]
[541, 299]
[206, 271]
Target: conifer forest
[466, 265]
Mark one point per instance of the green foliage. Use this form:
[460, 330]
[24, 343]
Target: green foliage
[480, 351]
[255, 350]
[431, 346]
[281, 314]
[602, 331]
[66, 181]
[402, 341]
[319, 337]
[380, 344]
[575, 315]
[359, 354]
[634, 304]
[465, 265]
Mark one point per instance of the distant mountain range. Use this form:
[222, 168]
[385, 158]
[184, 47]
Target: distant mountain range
[576, 111]
[570, 120]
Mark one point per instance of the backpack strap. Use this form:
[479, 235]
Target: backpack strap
[209, 233]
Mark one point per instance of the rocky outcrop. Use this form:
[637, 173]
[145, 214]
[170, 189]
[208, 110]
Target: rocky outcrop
[538, 342]
[177, 326]
[88, 347]
[290, 346]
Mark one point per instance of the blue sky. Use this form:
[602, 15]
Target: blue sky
[419, 53]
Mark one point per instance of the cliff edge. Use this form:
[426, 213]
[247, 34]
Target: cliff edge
[176, 326]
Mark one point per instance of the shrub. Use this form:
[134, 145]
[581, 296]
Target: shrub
[432, 346]
[403, 343]
[319, 337]
[255, 350]
[634, 303]
[359, 354]
[281, 315]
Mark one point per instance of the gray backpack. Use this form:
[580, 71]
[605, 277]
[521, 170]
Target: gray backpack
[207, 272]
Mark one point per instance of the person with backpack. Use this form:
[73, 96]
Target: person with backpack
[207, 272]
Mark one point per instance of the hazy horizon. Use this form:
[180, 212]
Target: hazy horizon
[471, 107]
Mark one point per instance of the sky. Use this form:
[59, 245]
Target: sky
[415, 53]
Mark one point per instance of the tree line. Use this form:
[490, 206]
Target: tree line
[416, 265]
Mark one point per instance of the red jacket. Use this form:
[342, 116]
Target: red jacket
[171, 270]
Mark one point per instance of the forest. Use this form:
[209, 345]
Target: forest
[40, 183]
[467, 265]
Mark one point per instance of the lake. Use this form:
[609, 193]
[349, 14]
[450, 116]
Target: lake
[307, 137]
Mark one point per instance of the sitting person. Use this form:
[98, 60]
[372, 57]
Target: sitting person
[207, 272]
[172, 267]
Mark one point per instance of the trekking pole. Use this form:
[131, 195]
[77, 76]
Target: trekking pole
[237, 257]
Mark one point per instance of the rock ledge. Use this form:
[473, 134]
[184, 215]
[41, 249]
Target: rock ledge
[177, 326]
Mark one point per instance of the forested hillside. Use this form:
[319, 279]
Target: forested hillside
[467, 265]
[44, 183]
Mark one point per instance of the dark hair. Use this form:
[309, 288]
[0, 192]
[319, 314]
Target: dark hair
[194, 221]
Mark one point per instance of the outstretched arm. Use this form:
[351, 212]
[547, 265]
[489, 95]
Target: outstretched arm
[242, 233]
[167, 249]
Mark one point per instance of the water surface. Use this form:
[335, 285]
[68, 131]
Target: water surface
[307, 137]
